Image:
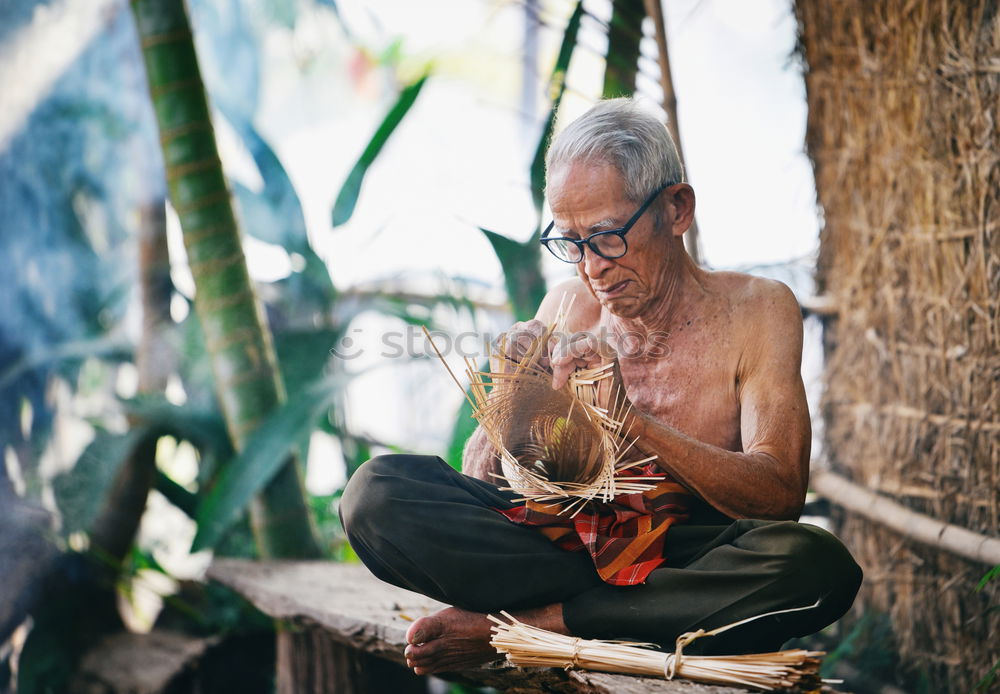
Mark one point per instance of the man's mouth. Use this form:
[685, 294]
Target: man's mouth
[613, 290]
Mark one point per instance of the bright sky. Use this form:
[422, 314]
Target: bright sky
[460, 159]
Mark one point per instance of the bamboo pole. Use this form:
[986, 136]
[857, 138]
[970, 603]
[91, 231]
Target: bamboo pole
[237, 338]
[915, 526]
[655, 12]
[822, 305]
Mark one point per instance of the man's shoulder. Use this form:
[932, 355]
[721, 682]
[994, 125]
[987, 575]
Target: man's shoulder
[767, 320]
[757, 297]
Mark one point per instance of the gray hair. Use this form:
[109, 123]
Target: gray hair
[619, 132]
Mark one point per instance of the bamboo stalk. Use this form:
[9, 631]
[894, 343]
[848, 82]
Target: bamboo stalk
[951, 538]
[230, 315]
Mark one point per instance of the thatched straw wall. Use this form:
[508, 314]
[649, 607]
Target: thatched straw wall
[904, 132]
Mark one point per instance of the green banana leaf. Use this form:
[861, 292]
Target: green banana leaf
[522, 272]
[347, 198]
[176, 494]
[465, 425]
[266, 452]
[622, 59]
[557, 86]
[80, 491]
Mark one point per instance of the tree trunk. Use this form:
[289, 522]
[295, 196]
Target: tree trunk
[115, 528]
[247, 380]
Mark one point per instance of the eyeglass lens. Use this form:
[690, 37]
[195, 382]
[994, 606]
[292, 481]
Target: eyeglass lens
[607, 245]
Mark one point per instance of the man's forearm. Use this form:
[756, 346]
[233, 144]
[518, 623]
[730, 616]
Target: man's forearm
[740, 485]
[479, 459]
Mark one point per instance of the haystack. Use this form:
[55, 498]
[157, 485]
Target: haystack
[904, 133]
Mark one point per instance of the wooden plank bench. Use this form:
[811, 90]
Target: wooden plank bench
[344, 632]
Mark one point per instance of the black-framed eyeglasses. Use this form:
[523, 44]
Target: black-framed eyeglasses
[608, 244]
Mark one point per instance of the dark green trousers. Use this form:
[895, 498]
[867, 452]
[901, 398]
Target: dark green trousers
[418, 524]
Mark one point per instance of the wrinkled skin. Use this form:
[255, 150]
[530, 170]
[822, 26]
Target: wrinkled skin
[709, 360]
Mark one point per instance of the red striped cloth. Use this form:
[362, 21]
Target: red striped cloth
[625, 537]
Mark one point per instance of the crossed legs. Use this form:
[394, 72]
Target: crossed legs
[418, 524]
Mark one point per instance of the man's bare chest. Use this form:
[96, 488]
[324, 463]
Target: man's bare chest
[689, 383]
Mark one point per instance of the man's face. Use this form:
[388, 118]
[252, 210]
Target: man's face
[587, 198]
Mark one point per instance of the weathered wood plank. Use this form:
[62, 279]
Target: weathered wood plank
[140, 663]
[355, 608]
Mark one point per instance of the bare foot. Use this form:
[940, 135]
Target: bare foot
[455, 639]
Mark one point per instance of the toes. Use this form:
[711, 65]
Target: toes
[423, 630]
[438, 657]
[420, 654]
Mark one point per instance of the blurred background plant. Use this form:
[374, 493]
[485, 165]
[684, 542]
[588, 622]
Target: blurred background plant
[113, 439]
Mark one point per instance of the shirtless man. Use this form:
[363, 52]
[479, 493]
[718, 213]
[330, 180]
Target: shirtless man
[710, 362]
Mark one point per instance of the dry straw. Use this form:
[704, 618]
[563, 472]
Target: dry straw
[528, 646]
[555, 445]
[904, 133]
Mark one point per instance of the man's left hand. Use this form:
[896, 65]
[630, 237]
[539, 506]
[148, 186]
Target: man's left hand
[578, 351]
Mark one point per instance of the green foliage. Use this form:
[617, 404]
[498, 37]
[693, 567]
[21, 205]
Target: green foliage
[50, 652]
[869, 647]
[557, 86]
[465, 425]
[266, 452]
[79, 199]
[991, 678]
[990, 575]
[347, 198]
[80, 491]
[992, 675]
[522, 262]
[70, 620]
[65, 203]
[303, 354]
[209, 608]
[176, 494]
[204, 428]
[458, 688]
[622, 59]
[522, 272]
[238, 339]
[326, 511]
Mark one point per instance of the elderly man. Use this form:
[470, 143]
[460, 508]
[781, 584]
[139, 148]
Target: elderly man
[710, 362]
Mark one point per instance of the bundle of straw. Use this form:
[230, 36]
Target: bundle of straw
[554, 445]
[528, 646]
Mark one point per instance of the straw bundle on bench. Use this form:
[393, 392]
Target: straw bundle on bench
[528, 646]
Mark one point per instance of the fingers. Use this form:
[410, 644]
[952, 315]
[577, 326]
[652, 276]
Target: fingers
[518, 340]
[580, 350]
[563, 354]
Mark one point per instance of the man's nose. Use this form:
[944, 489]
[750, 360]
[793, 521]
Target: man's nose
[594, 265]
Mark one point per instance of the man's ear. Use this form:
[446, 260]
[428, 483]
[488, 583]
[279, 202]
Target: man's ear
[681, 197]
